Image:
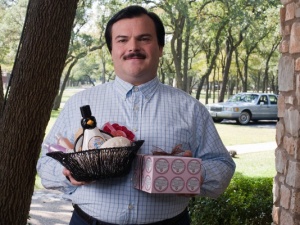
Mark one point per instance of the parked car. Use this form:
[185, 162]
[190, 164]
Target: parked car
[245, 107]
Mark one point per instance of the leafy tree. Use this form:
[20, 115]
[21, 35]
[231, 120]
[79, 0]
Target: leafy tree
[211, 37]
[12, 15]
[244, 15]
[268, 50]
[36, 74]
[179, 20]
[260, 32]
[206, 41]
[82, 42]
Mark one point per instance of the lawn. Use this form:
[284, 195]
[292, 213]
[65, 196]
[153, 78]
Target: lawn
[234, 134]
[258, 164]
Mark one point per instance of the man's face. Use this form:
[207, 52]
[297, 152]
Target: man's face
[135, 50]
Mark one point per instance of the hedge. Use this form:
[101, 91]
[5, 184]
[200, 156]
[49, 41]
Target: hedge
[246, 201]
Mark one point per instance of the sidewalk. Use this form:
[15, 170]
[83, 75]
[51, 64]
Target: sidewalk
[48, 207]
[249, 148]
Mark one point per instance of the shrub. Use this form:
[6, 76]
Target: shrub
[246, 201]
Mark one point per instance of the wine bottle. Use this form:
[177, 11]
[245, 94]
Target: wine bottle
[92, 137]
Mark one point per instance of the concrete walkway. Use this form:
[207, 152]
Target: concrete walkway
[242, 149]
[48, 207]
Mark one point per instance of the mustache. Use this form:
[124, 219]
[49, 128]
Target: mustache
[134, 55]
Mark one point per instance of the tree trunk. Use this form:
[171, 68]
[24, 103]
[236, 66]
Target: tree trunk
[211, 61]
[199, 88]
[58, 98]
[245, 81]
[258, 81]
[266, 72]
[186, 79]
[35, 82]
[1, 93]
[206, 91]
[225, 75]
[102, 77]
[176, 47]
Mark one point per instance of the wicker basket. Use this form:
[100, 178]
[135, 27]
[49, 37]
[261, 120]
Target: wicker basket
[98, 163]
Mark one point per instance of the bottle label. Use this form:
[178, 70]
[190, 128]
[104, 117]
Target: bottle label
[95, 142]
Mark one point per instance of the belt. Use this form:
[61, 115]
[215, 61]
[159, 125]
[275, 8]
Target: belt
[91, 220]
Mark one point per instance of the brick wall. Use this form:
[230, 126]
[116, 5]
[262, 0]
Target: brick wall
[286, 188]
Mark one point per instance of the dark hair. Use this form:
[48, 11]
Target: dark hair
[132, 12]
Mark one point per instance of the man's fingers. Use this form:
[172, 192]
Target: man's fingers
[187, 153]
[69, 176]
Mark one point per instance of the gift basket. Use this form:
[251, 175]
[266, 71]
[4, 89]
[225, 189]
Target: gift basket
[108, 156]
[98, 163]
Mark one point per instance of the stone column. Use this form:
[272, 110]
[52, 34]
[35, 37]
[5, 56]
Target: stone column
[286, 188]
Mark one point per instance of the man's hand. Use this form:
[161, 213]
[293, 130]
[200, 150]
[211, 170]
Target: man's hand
[187, 153]
[69, 176]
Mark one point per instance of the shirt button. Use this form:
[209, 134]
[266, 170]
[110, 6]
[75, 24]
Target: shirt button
[135, 129]
[135, 89]
[130, 206]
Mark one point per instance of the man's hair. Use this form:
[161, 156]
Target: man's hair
[132, 12]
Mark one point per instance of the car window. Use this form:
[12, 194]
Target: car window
[243, 98]
[263, 100]
[273, 99]
[253, 98]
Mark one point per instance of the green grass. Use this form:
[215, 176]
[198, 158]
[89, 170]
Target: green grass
[69, 92]
[38, 183]
[258, 164]
[233, 134]
[54, 115]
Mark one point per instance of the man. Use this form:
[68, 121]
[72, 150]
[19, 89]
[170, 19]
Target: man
[159, 114]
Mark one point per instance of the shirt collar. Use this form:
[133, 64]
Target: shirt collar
[124, 88]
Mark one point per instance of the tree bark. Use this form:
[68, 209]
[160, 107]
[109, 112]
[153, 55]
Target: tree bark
[266, 72]
[58, 98]
[186, 79]
[34, 85]
[1, 93]
[230, 48]
[176, 47]
[229, 52]
[211, 61]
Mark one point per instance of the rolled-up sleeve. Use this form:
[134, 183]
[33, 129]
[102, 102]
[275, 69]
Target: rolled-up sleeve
[217, 165]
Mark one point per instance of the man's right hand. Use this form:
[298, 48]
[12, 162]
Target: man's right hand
[69, 176]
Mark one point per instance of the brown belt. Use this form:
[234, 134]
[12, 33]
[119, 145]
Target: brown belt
[91, 220]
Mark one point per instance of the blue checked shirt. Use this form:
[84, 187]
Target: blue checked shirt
[162, 116]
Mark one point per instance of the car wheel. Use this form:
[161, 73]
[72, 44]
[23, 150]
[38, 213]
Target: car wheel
[217, 120]
[244, 118]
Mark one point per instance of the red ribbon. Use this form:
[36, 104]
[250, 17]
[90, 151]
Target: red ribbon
[175, 151]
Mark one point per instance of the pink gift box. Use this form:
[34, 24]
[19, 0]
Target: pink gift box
[167, 174]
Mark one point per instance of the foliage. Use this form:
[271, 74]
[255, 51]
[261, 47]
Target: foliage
[12, 16]
[195, 50]
[247, 201]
